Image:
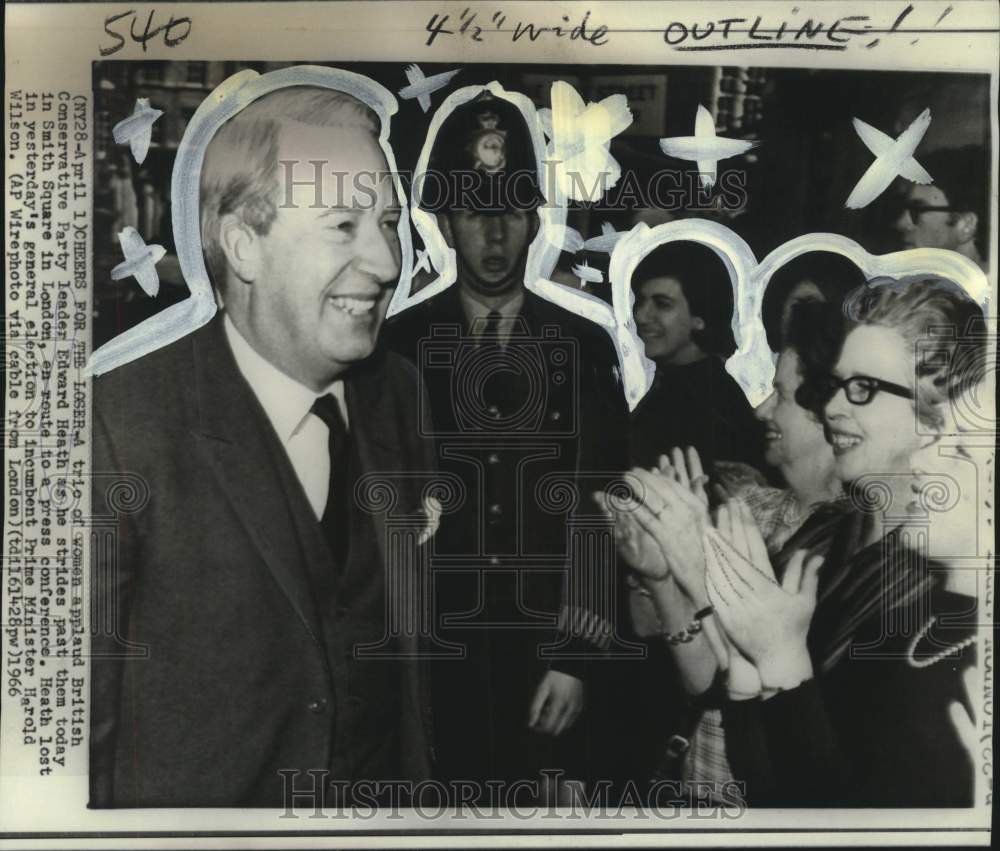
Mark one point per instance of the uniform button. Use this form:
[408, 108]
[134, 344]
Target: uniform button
[493, 458]
[555, 416]
[316, 705]
[677, 746]
[493, 411]
[496, 509]
[494, 561]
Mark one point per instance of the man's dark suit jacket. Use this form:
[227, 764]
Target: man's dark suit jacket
[210, 575]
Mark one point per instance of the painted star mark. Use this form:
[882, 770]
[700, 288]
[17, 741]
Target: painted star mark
[422, 87]
[566, 238]
[606, 242]
[423, 262]
[137, 129]
[704, 147]
[140, 261]
[588, 274]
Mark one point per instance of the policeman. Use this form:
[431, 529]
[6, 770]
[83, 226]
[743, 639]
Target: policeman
[528, 412]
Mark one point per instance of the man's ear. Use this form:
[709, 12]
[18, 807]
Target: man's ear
[241, 245]
[966, 225]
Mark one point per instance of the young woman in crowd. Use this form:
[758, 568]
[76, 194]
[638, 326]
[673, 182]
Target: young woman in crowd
[683, 309]
[835, 677]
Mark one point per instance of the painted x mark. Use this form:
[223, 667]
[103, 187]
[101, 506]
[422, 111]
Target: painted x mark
[893, 158]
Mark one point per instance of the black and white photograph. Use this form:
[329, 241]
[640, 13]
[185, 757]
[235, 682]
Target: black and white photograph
[538, 446]
[519, 396]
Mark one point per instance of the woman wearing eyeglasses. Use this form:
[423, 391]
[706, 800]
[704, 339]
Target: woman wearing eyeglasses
[860, 659]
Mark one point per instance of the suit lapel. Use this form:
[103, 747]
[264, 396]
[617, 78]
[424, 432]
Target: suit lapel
[239, 443]
[375, 431]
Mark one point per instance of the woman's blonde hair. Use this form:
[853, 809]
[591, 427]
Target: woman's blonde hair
[941, 324]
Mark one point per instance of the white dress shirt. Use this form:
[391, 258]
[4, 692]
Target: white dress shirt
[288, 406]
[476, 310]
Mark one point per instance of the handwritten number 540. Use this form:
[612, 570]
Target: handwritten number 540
[175, 30]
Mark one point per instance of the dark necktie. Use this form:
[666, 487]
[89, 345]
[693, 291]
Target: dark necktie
[491, 329]
[491, 355]
[336, 515]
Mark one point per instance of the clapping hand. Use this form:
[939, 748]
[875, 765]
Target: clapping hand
[659, 530]
[638, 548]
[674, 518]
[742, 676]
[685, 469]
[767, 621]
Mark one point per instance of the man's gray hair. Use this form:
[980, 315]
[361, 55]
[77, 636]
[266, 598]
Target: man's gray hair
[240, 171]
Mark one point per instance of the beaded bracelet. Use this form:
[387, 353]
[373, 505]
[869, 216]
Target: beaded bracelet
[685, 635]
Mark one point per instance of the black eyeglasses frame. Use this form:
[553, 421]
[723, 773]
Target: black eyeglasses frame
[832, 385]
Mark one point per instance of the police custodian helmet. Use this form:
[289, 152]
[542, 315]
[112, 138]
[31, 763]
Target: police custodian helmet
[482, 159]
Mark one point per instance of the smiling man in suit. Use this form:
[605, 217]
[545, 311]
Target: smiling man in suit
[241, 593]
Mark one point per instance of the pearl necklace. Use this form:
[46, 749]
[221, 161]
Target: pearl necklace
[937, 657]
